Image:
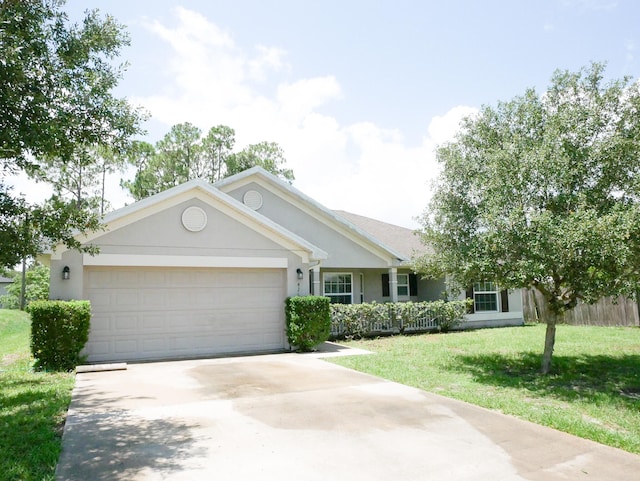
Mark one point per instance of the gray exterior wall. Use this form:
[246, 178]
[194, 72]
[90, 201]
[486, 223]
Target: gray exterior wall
[163, 234]
[343, 252]
[428, 290]
[514, 317]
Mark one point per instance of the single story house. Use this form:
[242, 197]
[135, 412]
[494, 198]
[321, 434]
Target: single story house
[203, 269]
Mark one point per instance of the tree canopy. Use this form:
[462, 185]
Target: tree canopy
[56, 100]
[184, 154]
[543, 192]
[57, 80]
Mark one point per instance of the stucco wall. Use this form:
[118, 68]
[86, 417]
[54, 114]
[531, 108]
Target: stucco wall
[428, 290]
[343, 252]
[514, 317]
[162, 234]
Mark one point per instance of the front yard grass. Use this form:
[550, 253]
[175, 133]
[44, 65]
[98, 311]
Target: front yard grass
[593, 390]
[32, 406]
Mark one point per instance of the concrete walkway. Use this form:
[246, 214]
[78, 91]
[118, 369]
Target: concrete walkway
[293, 416]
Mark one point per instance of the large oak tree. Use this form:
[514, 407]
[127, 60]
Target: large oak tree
[543, 192]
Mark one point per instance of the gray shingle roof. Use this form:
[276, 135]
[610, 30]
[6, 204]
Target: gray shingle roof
[404, 240]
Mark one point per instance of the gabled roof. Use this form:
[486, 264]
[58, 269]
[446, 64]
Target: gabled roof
[405, 241]
[329, 217]
[206, 192]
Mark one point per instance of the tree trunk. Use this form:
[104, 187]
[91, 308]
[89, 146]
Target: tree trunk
[23, 286]
[549, 341]
[104, 178]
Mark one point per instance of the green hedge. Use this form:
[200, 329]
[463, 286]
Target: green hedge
[353, 321]
[59, 331]
[308, 321]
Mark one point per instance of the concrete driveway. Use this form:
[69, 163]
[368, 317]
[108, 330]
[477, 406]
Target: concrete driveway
[293, 416]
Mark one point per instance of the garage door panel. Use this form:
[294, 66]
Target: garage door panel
[153, 298]
[100, 322]
[153, 345]
[126, 279]
[151, 321]
[97, 278]
[164, 313]
[125, 322]
[125, 346]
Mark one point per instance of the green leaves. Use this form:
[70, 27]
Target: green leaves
[543, 191]
[184, 154]
[56, 103]
[56, 82]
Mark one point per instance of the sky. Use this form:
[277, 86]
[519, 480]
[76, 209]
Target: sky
[358, 93]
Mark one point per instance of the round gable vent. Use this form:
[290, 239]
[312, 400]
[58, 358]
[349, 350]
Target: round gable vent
[252, 199]
[194, 219]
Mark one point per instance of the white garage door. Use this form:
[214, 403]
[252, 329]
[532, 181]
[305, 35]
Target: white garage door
[166, 313]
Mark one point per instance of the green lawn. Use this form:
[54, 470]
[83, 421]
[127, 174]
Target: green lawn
[32, 406]
[593, 391]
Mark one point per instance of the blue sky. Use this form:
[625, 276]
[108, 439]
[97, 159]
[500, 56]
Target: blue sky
[358, 93]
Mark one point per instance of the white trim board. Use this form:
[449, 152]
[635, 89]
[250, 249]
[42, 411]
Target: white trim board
[130, 260]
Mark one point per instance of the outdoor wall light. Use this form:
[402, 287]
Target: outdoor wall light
[66, 273]
[300, 273]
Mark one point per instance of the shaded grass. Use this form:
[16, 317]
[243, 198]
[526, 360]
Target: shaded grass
[33, 406]
[593, 390]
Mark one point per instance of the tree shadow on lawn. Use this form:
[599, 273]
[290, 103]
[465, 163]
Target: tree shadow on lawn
[572, 378]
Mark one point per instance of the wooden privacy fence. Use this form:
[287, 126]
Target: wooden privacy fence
[608, 311]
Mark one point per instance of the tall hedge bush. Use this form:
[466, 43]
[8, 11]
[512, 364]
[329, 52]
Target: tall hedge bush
[308, 321]
[59, 331]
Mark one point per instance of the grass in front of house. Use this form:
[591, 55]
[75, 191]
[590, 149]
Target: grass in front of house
[32, 406]
[593, 390]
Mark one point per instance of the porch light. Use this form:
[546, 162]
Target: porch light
[66, 273]
[300, 273]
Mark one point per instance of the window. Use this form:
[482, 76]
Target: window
[407, 285]
[403, 284]
[485, 297]
[338, 287]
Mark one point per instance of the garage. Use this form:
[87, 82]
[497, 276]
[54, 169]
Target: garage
[147, 313]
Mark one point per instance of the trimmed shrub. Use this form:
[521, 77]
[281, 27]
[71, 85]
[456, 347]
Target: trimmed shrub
[452, 314]
[359, 320]
[308, 321]
[59, 331]
[353, 321]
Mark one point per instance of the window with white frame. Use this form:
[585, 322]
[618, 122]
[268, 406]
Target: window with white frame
[338, 287]
[485, 297]
[403, 284]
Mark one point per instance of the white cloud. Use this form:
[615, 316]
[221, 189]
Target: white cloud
[359, 167]
[300, 98]
[34, 192]
[269, 59]
[630, 49]
[443, 128]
